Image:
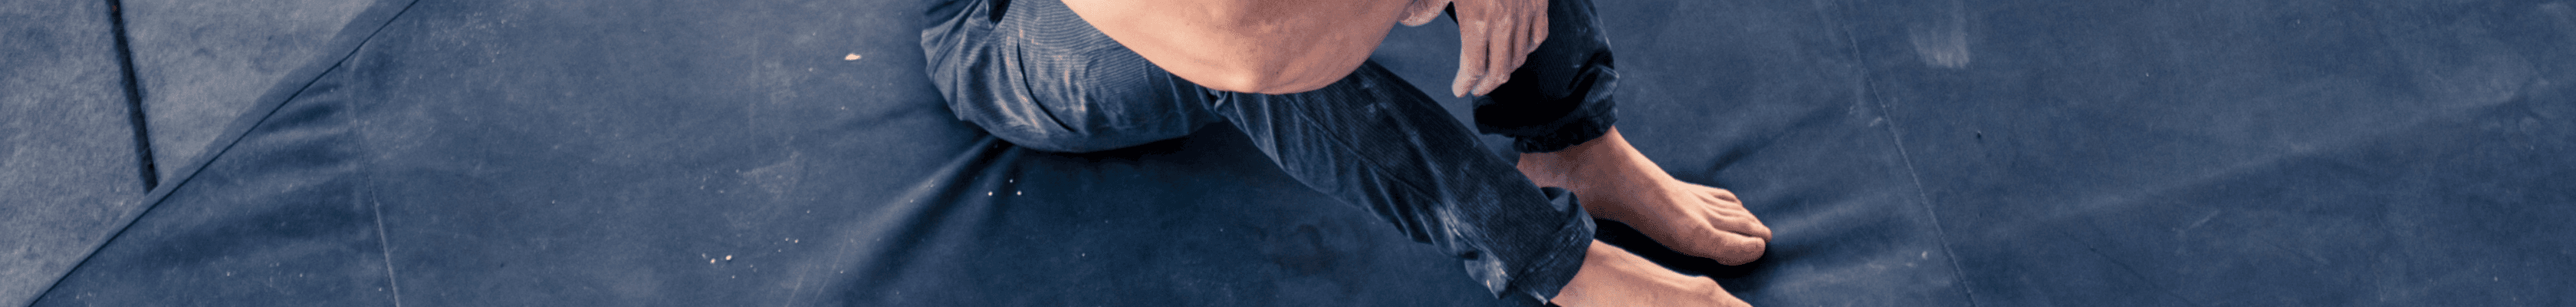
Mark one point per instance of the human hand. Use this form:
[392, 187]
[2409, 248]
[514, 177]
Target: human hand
[1614, 277]
[1494, 37]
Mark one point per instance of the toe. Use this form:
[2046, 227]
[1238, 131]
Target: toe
[1761, 231]
[1740, 250]
[1723, 194]
[1745, 225]
[1726, 246]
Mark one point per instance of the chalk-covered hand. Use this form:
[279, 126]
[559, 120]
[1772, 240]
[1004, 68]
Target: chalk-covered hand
[1494, 36]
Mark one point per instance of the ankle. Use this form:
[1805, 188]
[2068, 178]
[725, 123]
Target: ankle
[1552, 169]
[1607, 161]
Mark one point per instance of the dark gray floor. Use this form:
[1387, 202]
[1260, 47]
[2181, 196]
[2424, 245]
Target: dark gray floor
[69, 171]
[1981, 153]
[2230, 152]
[203, 61]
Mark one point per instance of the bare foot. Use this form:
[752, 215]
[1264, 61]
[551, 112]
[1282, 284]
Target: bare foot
[1612, 277]
[1616, 182]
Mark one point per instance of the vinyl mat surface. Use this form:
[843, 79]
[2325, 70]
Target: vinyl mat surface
[612, 153]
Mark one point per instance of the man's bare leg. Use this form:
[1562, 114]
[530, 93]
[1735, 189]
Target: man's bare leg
[1613, 277]
[1618, 183]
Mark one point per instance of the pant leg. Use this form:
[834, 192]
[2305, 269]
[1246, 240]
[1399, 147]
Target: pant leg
[1560, 96]
[1037, 76]
[1373, 139]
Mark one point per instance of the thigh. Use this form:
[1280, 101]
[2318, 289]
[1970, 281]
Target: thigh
[1039, 76]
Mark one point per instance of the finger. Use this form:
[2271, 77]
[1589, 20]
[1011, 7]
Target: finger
[1498, 57]
[1521, 47]
[1515, 46]
[1506, 58]
[1538, 33]
[1533, 33]
[1423, 11]
[1538, 23]
[1471, 51]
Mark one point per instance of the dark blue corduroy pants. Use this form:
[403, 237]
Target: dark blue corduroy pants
[1035, 74]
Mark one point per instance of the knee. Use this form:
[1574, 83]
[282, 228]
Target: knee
[1079, 123]
[1051, 135]
[1080, 93]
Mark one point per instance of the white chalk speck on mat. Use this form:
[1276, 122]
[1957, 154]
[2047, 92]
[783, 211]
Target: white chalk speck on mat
[851, 57]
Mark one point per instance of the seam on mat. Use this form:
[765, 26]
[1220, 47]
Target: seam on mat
[151, 174]
[1923, 197]
[386, 247]
[237, 131]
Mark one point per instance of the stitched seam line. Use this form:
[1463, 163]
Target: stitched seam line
[242, 127]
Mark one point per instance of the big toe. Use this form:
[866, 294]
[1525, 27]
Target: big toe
[1726, 247]
[1749, 227]
[1736, 250]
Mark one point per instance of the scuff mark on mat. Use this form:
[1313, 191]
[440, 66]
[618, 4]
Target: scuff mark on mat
[1943, 43]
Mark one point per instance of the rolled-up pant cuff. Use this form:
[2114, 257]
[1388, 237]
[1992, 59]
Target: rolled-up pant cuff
[1561, 94]
[1551, 265]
